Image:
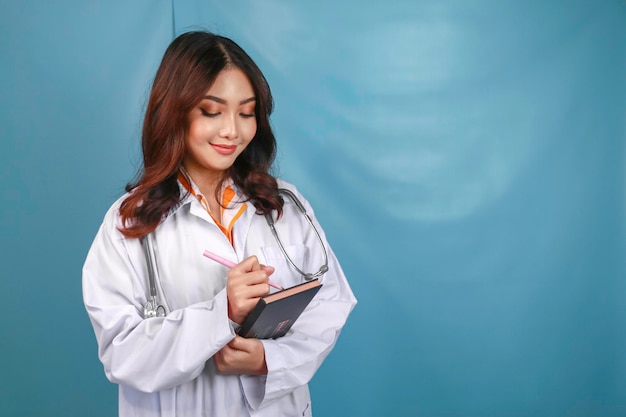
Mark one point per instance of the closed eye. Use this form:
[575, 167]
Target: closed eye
[207, 114]
[247, 115]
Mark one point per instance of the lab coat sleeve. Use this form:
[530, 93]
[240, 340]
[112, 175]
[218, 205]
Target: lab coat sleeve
[293, 359]
[146, 354]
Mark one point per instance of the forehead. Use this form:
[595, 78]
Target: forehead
[231, 83]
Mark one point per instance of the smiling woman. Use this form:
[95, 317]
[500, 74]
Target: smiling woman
[196, 69]
[220, 129]
[205, 185]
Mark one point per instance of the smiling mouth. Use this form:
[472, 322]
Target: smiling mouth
[224, 149]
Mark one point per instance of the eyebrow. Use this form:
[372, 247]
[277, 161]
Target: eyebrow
[222, 101]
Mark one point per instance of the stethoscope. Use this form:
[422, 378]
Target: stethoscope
[152, 307]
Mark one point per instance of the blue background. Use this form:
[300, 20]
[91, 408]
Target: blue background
[466, 159]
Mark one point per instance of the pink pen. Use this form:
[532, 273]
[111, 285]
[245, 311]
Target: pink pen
[230, 264]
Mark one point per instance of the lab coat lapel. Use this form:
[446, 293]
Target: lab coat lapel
[198, 210]
[241, 230]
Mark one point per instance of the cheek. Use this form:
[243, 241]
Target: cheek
[193, 133]
[249, 131]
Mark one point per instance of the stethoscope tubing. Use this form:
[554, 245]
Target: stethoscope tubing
[152, 308]
[308, 276]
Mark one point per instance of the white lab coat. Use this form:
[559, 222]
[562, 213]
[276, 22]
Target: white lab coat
[163, 365]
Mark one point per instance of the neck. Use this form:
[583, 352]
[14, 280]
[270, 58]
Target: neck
[206, 181]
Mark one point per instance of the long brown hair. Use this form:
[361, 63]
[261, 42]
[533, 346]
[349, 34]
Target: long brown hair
[189, 67]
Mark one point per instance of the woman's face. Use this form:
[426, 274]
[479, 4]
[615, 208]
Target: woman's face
[220, 127]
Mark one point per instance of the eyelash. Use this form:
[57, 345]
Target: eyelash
[207, 114]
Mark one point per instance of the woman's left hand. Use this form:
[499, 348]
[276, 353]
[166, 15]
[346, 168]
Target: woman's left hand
[241, 356]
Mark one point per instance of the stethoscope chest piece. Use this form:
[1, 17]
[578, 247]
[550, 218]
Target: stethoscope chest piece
[152, 309]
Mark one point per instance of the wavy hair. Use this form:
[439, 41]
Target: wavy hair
[189, 67]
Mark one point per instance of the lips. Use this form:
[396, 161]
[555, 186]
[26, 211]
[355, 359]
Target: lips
[224, 149]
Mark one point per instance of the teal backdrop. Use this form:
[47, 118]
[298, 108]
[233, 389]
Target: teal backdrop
[466, 159]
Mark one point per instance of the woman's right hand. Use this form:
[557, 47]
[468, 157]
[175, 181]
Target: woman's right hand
[247, 282]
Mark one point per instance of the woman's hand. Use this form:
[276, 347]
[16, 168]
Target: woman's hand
[247, 282]
[241, 356]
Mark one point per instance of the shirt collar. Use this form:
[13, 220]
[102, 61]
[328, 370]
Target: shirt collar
[232, 202]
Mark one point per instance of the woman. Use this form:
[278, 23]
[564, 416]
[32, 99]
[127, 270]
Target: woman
[205, 184]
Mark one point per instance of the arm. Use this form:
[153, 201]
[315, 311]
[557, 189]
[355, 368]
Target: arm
[293, 359]
[247, 282]
[145, 354]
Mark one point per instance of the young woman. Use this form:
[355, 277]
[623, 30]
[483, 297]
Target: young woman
[205, 184]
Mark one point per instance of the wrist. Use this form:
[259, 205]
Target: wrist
[235, 326]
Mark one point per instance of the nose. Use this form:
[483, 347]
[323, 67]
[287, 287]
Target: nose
[229, 129]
